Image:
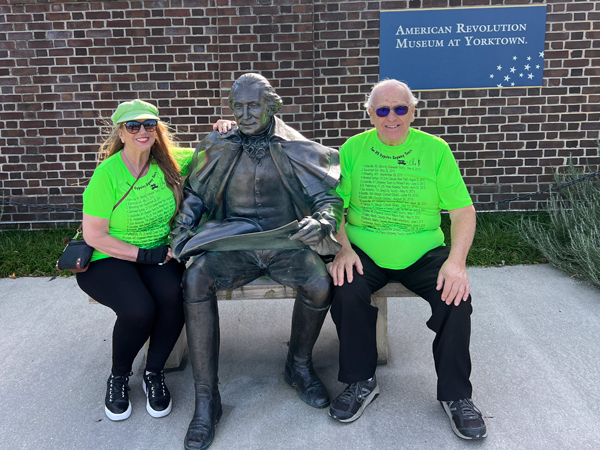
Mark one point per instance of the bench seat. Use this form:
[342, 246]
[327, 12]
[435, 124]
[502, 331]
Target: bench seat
[266, 289]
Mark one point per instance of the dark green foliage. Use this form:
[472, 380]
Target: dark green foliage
[32, 253]
[497, 240]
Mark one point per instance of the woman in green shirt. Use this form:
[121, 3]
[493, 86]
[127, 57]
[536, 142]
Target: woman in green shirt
[132, 271]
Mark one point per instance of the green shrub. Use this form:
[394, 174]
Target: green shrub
[571, 240]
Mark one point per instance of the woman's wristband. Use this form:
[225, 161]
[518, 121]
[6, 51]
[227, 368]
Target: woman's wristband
[152, 255]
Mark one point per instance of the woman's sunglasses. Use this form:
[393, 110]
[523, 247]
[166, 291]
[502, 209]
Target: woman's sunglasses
[133, 127]
[399, 110]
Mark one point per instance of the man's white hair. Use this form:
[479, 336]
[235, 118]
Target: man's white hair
[390, 82]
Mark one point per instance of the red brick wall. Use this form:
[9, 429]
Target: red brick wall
[64, 66]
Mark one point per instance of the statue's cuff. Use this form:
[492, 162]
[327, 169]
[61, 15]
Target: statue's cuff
[327, 222]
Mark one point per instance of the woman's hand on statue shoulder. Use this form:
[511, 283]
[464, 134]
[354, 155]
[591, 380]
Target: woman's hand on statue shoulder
[224, 126]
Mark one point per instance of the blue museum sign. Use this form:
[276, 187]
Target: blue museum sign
[463, 48]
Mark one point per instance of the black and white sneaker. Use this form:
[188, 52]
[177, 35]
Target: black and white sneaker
[159, 401]
[466, 420]
[350, 404]
[116, 403]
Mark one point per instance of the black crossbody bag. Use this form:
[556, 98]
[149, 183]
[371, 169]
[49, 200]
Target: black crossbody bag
[77, 254]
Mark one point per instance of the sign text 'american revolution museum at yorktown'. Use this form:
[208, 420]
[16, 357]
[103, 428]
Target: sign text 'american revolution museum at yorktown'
[464, 48]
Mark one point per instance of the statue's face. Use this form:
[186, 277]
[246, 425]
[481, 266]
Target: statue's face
[250, 110]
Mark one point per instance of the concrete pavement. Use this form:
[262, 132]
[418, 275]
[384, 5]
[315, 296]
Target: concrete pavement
[536, 373]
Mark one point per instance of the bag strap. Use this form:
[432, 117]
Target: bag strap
[136, 180]
[80, 229]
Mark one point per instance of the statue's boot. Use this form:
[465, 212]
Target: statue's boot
[202, 323]
[299, 371]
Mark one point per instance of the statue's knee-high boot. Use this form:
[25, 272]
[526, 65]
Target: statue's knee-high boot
[202, 321]
[299, 371]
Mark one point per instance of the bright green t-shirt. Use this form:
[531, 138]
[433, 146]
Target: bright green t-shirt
[394, 195]
[142, 219]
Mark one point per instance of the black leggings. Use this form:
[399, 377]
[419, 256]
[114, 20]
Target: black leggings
[148, 301]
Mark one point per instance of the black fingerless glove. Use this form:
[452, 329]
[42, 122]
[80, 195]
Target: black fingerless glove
[152, 255]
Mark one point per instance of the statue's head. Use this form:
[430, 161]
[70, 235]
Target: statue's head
[253, 102]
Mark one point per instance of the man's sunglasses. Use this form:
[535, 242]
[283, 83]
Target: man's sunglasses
[399, 110]
[133, 127]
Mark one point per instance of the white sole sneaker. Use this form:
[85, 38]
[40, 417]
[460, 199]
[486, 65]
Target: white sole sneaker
[152, 412]
[116, 417]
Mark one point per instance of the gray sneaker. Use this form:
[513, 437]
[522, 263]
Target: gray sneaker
[466, 420]
[350, 404]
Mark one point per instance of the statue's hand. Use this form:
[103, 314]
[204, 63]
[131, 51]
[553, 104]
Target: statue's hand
[179, 236]
[311, 231]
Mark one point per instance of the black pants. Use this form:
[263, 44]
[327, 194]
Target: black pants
[355, 319]
[148, 301]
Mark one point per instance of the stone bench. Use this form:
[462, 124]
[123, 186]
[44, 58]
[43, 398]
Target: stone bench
[264, 288]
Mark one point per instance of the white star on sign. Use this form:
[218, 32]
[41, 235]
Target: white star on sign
[529, 58]
[527, 66]
[506, 78]
[491, 75]
[537, 66]
[530, 76]
[499, 67]
[521, 75]
[541, 54]
[499, 85]
[513, 70]
[514, 58]
[512, 84]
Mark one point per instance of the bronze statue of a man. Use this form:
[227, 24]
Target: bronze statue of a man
[261, 176]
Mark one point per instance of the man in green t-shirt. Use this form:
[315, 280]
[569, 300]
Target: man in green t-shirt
[395, 180]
